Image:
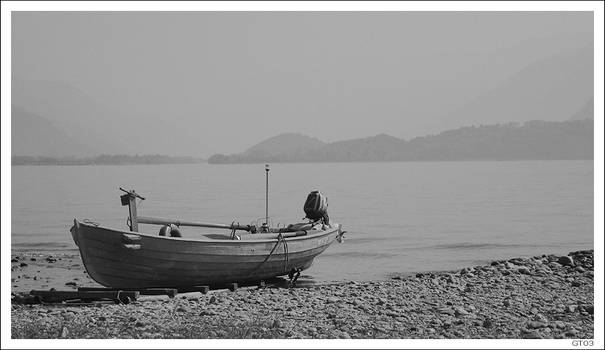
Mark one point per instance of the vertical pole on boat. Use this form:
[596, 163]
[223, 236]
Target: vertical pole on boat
[132, 210]
[267, 194]
[130, 199]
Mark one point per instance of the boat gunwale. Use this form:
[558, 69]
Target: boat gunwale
[209, 240]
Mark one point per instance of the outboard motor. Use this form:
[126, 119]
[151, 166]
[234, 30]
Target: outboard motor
[316, 207]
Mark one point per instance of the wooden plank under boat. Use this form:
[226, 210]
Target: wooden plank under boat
[126, 259]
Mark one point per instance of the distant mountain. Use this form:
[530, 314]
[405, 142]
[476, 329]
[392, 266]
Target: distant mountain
[552, 88]
[586, 112]
[88, 120]
[530, 140]
[381, 147]
[284, 143]
[70, 110]
[33, 135]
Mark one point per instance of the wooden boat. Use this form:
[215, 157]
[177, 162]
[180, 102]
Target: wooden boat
[133, 259]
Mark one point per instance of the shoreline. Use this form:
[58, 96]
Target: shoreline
[546, 296]
[42, 265]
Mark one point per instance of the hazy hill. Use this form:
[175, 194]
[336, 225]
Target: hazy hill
[96, 123]
[33, 135]
[375, 148]
[553, 88]
[69, 110]
[512, 141]
[531, 140]
[586, 112]
[284, 143]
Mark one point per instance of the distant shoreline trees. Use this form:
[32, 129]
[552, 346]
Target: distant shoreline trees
[105, 159]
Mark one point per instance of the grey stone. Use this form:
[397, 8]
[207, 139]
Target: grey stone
[392, 313]
[571, 333]
[532, 335]
[565, 260]
[467, 270]
[559, 324]
[541, 318]
[183, 308]
[571, 308]
[344, 335]
[447, 311]
[460, 312]
[458, 334]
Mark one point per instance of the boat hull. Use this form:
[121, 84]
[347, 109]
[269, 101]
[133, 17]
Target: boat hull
[124, 259]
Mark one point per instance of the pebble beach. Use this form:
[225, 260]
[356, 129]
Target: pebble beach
[547, 296]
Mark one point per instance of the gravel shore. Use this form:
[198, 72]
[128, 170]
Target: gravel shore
[545, 296]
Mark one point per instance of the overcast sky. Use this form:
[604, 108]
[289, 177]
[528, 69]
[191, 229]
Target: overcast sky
[233, 79]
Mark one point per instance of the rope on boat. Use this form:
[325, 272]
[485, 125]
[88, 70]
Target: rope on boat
[233, 230]
[285, 253]
[280, 239]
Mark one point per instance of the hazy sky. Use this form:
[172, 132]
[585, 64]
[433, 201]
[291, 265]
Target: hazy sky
[231, 79]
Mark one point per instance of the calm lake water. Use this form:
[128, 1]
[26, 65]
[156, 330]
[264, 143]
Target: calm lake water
[400, 217]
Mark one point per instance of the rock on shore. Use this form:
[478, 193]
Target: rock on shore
[545, 296]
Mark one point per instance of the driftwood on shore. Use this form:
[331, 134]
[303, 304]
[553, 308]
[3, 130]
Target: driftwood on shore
[57, 296]
[118, 295]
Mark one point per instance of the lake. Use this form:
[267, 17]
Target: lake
[400, 217]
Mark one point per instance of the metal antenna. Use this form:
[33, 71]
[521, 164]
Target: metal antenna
[267, 194]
